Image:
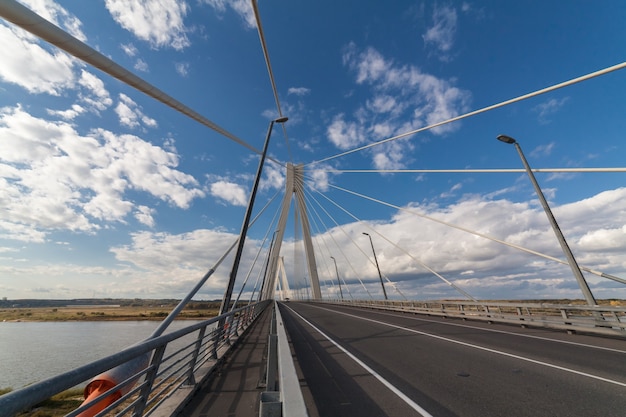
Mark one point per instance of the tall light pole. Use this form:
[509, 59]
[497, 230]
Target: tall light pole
[377, 267]
[244, 227]
[338, 280]
[557, 231]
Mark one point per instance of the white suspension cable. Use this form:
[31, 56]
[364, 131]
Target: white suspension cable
[349, 237]
[340, 250]
[479, 111]
[270, 72]
[308, 197]
[25, 18]
[432, 271]
[256, 257]
[495, 170]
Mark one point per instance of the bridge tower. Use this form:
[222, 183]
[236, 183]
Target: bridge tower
[294, 187]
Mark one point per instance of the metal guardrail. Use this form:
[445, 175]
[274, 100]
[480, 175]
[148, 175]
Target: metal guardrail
[163, 366]
[601, 320]
[283, 396]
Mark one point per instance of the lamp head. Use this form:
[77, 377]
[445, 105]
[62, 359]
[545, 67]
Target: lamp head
[366, 234]
[506, 139]
[281, 119]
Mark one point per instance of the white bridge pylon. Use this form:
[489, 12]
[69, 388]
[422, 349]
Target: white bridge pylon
[281, 279]
[294, 187]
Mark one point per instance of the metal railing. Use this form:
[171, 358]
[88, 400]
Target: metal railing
[160, 368]
[601, 320]
[283, 395]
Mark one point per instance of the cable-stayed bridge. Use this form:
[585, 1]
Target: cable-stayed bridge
[324, 350]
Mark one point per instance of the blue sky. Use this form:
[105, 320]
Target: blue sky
[106, 192]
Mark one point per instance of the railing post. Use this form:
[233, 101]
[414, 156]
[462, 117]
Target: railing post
[191, 380]
[150, 377]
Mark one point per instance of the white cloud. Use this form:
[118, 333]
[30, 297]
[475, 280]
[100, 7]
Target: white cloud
[345, 135]
[54, 13]
[403, 98]
[243, 8]
[484, 268]
[182, 68]
[229, 192]
[53, 178]
[273, 176]
[160, 23]
[27, 64]
[95, 95]
[141, 65]
[543, 150]
[144, 215]
[548, 108]
[298, 91]
[129, 49]
[441, 34]
[130, 113]
[69, 114]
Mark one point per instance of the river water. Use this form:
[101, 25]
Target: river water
[34, 351]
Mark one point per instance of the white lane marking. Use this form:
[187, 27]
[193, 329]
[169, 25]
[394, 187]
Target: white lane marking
[386, 383]
[498, 352]
[503, 332]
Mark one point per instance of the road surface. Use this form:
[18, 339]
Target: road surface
[356, 362]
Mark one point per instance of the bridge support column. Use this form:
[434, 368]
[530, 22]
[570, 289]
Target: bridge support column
[294, 187]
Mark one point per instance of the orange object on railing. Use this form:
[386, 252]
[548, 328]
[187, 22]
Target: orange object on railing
[96, 388]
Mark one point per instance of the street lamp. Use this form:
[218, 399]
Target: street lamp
[244, 227]
[377, 267]
[338, 280]
[557, 231]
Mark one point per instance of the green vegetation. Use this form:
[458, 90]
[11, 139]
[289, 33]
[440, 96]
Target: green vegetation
[58, 405]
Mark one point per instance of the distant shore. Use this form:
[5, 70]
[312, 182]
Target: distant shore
[101, 313]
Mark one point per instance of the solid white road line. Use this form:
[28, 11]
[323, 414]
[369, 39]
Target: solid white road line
[386, 383]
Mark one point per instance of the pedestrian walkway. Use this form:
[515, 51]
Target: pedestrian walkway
[235, 388]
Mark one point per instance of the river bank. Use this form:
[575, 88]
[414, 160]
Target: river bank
[103, 313]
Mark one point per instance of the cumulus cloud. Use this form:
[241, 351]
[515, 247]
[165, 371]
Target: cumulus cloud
[56, 14]
[57, 179]
[243, 8]
[141, 65]
[273, 176]
[182, 68]
[26, 63]
[129, 49]
[94, 93]
[403, 99]
[480, 266]
[230, 192]
[298, 91]
[441, 34]
[69, 114]
[160, 23]
[130, 113]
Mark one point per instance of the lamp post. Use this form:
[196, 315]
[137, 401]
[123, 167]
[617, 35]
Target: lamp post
[557, 231]
[244, 227]
[338, 280]
[377, 267]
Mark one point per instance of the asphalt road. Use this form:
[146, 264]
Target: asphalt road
[359, 362]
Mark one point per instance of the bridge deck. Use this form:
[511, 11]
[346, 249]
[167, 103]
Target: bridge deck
[235, 389]
[419, 365]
